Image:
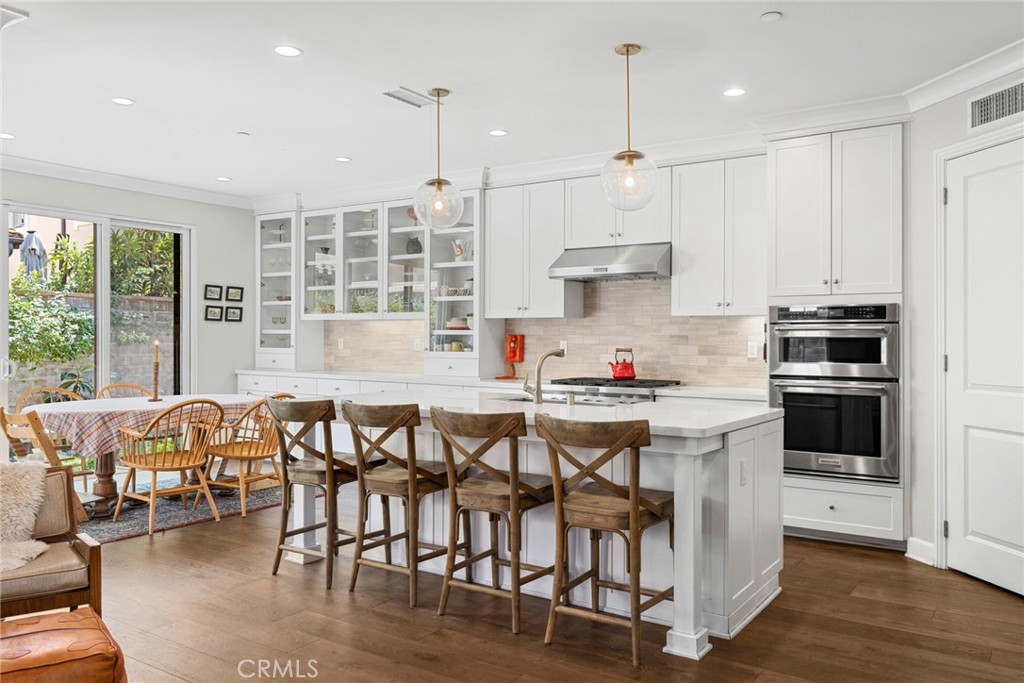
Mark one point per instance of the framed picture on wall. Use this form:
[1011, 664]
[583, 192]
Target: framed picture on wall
[213, 293]
[214, 313]
[233, 314]
[233, 294]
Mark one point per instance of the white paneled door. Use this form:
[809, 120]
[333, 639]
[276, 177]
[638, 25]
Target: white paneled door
[985, 380]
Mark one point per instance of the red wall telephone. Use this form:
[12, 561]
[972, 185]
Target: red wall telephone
[514, 344]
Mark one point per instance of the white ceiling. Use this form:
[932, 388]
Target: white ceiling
[546, 71]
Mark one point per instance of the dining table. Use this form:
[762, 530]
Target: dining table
[90, 426]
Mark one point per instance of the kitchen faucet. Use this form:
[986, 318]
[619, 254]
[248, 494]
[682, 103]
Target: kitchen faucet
[536, 391]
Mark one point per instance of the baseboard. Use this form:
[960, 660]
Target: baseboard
[920, 550]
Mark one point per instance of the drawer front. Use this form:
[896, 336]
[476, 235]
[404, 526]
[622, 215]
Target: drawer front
[297, 385]
[336, 387]
[437, 389]
[451, 367]
[877, 513]
[380, 387]
[275, 361]
[262, 384]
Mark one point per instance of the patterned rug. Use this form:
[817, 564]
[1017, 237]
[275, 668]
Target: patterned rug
[134, 519]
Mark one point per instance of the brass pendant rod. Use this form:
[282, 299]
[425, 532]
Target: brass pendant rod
[438, 176]
[629, 140]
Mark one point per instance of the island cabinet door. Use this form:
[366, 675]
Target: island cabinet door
[742, 526]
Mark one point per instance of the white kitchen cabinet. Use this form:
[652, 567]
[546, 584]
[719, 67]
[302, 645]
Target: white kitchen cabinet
[718, 238]
[590, 221]
[846, 507]
[525, 236]
[835, 213]
[284, 341]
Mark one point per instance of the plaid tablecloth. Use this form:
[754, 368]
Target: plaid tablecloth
[91, 426]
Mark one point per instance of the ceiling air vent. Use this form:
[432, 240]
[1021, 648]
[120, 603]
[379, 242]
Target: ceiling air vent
[997, 105]
[403, 94]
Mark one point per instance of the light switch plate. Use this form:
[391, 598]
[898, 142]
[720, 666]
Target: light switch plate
[751, 349]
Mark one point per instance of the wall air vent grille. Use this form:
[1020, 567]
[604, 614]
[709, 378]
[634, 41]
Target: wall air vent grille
[997, 106]
[408, 96]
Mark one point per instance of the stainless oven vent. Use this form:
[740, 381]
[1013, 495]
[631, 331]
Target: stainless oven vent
[409, 96]
[997, 106]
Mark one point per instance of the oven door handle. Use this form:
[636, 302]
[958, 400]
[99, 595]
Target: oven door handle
[846, 386]
[834, 329]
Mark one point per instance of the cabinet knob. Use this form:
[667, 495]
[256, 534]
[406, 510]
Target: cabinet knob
[831, 507]
[825, 281]
[719, 304]
[728, 303]
[449, 367]
[611, 234]
[526, 308]
[619, 234]
[835, 282]
[519, 308]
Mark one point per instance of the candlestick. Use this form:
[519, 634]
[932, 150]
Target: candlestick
[156, 371]
[156, 351]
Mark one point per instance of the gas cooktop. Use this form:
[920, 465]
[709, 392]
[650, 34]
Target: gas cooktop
[616, 383]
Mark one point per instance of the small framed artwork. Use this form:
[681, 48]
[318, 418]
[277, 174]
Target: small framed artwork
[214, 312]
[233, 314]
[233, 294]
[213, 293]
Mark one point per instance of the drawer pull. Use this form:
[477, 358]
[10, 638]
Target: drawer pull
[831, 507]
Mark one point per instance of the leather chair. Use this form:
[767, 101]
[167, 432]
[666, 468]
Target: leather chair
[66, 575]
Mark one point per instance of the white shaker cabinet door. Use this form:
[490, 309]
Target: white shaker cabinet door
[653, 223]
[799, 216]
[867, 210]
[505, 253]
[544, 234]
[698, 243]
[746, 236]
[590, 221]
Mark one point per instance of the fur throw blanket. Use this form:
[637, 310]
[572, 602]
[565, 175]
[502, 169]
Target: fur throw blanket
[21, 495]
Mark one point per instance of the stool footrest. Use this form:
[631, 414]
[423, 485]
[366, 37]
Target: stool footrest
[602, 617]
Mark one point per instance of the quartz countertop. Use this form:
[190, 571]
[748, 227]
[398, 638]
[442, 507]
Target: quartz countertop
[696, 418]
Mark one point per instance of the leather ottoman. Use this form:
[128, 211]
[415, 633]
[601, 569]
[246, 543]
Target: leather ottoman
[60, 647]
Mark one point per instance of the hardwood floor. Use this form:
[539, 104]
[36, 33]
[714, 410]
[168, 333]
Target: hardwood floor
[191, 604]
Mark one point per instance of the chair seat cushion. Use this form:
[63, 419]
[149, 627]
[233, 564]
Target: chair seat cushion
[391, 479]
[594, 506]
[65, 646]
[482, 491]
[57, 570]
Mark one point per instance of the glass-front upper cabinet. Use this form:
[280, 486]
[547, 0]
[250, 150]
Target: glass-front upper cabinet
[405, 275]
[453, 283]
[275, 322]
[360, 253]
[319, 254]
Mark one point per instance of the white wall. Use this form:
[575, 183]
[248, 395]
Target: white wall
[224, 241]
[933, 128]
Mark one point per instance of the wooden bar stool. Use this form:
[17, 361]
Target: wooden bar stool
[311, 470]
[477, 486]
[399, 477]
[588, 500]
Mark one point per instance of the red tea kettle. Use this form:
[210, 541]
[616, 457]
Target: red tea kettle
[623, 369]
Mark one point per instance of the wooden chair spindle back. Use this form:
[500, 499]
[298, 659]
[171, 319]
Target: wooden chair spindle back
[124, 390]
[176, 438]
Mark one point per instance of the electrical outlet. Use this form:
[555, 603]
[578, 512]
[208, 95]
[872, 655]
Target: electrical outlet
[564, 345]
[751, 349]
[341, 343]
[417, 344]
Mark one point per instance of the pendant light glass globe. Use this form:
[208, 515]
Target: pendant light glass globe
[629, 180]
[438, 204]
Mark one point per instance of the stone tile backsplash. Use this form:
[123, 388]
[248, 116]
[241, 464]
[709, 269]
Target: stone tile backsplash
[700, 351]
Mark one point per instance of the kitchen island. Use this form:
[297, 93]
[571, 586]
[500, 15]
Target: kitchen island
[722, 459]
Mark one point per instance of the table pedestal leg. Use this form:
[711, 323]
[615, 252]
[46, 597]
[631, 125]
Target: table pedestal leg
[105, 487]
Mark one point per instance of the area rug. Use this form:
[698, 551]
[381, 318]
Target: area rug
[134, 519]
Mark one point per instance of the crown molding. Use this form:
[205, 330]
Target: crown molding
[666, 154]
[876, 111]
[995, 64]
[120, 182]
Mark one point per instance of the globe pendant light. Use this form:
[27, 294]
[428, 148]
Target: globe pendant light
[629, 178]
[438, 202]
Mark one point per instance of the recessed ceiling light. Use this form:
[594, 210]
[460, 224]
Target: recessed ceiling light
[769, 17]
[343, 160]
[123, 101]
[223, 179]
[498, 133]
[6, 136]
[287, 51]
[734, 92]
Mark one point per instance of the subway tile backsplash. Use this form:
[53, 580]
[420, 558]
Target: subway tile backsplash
[699, 351]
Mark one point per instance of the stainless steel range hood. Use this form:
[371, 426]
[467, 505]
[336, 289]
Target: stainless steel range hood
[633, 262]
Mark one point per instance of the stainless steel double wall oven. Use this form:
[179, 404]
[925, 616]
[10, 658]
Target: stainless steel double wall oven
[835, 370]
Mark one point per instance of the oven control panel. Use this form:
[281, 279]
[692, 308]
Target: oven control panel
[852, 313]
